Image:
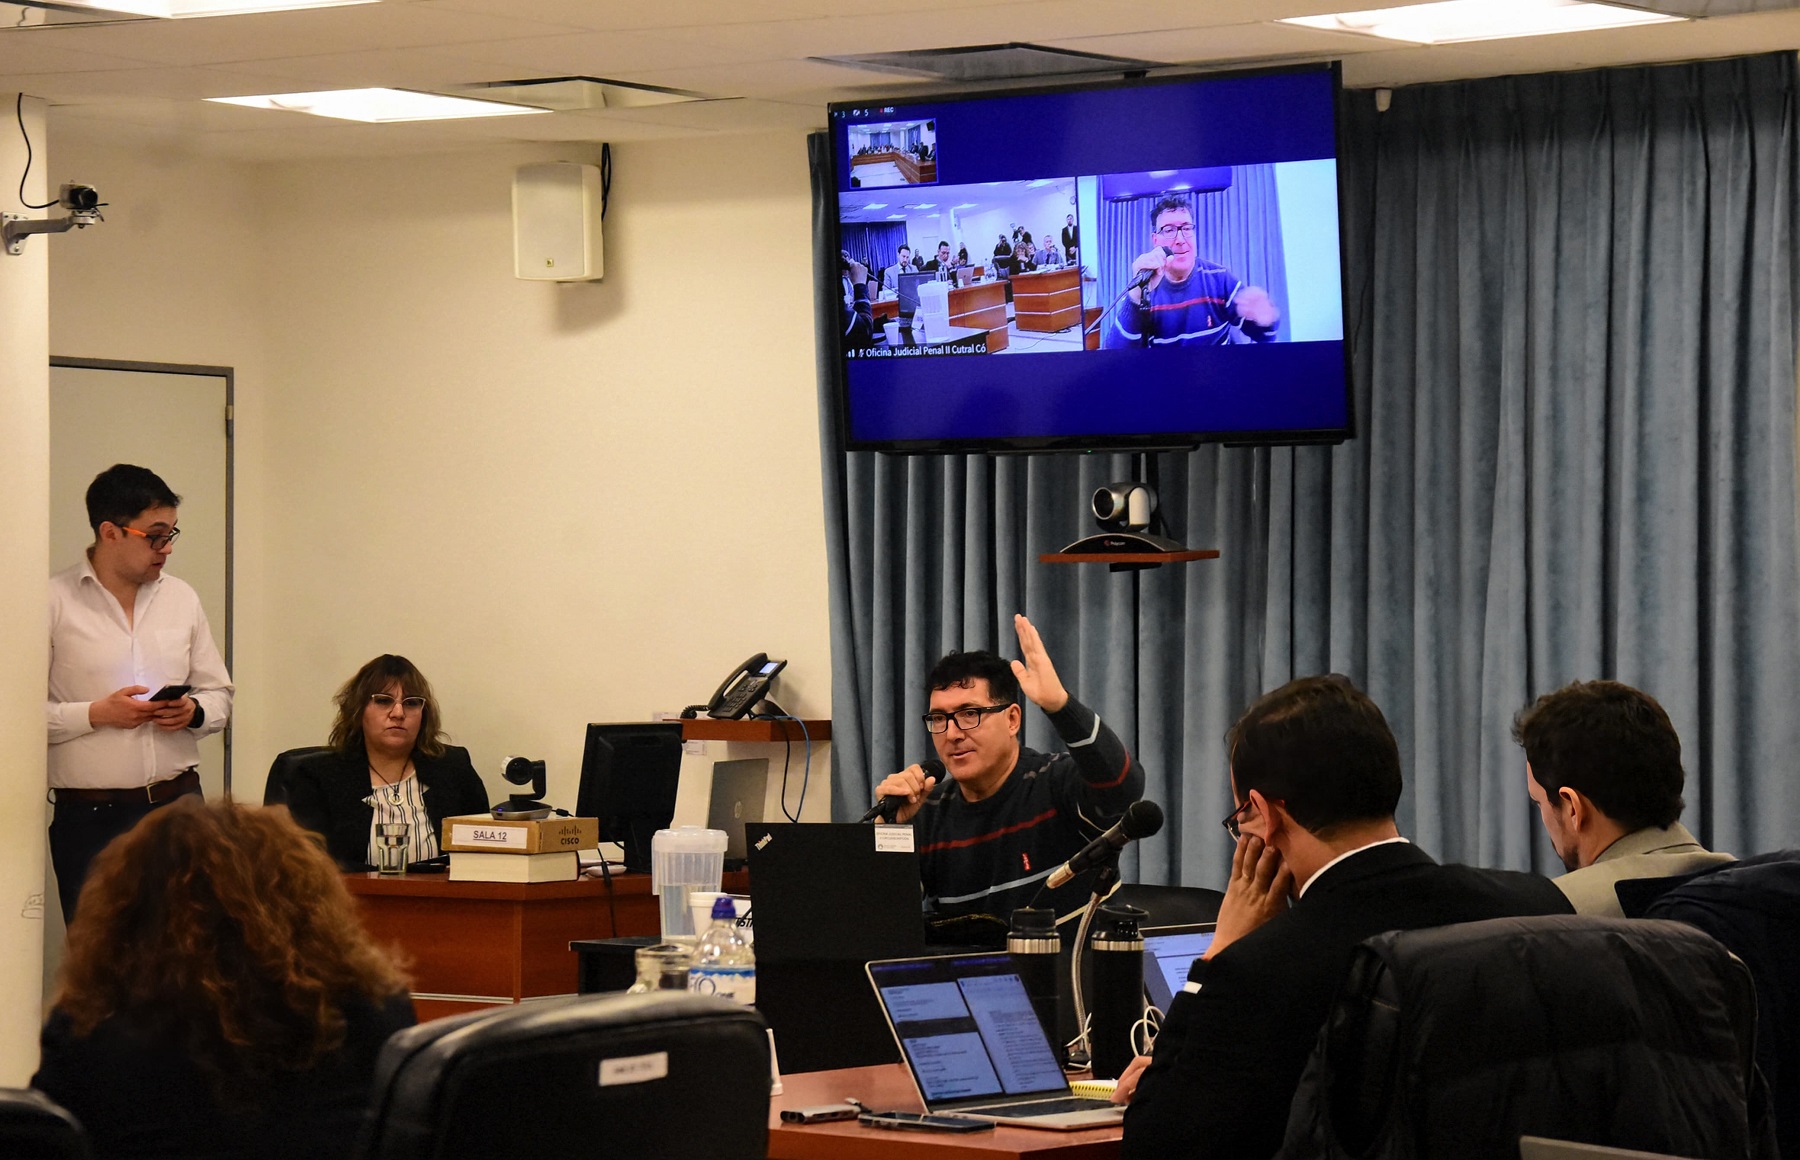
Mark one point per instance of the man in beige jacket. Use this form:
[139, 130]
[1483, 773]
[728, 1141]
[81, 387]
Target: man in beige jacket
[1603, 764]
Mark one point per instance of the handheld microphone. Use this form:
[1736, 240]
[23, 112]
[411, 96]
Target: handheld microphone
[890, 804]
[1141, 820]
[1145, 276]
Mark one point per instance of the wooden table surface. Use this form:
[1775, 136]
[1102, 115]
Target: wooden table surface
[888, 1087]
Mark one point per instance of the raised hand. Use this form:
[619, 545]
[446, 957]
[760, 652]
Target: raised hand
[1037, 676]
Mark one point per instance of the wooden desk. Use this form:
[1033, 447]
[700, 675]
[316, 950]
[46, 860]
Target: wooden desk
[474, 945]
[912, 170]
[1047, 302]
[981, 306]
[888, 1086]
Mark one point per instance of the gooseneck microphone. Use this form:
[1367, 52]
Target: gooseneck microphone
[1142, 819]
[890, 804]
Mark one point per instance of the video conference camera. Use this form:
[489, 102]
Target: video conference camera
[523, 771]
[1124, 507]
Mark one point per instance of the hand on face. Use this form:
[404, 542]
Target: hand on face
[1258, 891]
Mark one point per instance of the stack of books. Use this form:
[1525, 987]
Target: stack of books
[483, 849]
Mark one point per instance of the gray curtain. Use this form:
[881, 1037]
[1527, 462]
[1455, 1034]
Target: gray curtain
[1571, 310]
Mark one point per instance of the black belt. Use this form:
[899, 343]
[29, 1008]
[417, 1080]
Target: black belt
[156, 793]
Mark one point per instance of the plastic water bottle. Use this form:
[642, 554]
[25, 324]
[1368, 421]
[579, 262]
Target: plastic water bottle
[724, 964]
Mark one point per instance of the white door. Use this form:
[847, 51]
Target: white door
[175, 421]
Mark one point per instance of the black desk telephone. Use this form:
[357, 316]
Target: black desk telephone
[748, 683]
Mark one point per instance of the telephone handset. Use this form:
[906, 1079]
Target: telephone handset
[747, 684]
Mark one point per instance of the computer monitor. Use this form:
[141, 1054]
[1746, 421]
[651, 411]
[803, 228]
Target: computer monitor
[628, 778]
[909, 292]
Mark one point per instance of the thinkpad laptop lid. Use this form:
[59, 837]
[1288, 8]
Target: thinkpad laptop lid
[973, 1044]
[828, 897]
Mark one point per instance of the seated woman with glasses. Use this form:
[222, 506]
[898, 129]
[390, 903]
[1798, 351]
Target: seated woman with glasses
[388, 762]
[219, 995]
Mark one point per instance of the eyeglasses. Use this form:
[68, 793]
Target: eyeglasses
[157, 540]
[386, 702]
[1231, 822]
[1186, 230]
[966, 719]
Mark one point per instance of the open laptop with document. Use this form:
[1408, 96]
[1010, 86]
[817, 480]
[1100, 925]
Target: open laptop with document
[974, 1046]
[1169, 952]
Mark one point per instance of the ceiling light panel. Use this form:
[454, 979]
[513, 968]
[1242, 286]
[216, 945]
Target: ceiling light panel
[380, 106]
[1460, 21]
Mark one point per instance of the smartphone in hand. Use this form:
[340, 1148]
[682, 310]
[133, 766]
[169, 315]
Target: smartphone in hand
[171, 693]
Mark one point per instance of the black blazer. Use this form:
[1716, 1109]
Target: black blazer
[1229, 1056]
[326, 792]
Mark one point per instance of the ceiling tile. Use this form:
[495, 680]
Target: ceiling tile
[224, 39]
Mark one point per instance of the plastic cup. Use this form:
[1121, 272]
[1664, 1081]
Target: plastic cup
[892, 327]
[700, 907]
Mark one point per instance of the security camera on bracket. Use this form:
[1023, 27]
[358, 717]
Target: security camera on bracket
[1126, 512]
[83, 203]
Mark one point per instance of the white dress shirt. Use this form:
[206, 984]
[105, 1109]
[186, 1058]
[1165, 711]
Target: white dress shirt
[95, 650]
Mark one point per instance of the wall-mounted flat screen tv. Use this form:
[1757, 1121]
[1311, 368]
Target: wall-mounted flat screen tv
[1144, 264]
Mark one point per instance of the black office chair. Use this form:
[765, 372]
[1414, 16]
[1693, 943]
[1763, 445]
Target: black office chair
[1170, 905]
[281, 772]
[1753, 907]
[1460, 1040]
[664, 1074]
[35, 1127]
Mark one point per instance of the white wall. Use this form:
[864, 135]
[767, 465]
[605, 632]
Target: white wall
[566, 503]
[24, 572]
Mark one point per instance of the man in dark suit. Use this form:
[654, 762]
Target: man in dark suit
[1316, 775]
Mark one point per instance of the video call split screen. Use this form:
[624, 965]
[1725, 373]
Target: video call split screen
[1132, 236]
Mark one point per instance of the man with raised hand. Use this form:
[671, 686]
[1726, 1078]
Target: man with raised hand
[1001, 818]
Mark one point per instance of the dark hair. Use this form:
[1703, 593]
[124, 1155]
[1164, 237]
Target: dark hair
[943, 245]
[123, 492]
[1169, 203]
[1609, 742]
[1321, 747]
[959, 668]
[905, 247]
[372, 678]
[226, 929]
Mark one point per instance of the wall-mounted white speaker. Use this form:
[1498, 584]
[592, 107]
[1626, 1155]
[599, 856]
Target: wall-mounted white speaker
[556, 222]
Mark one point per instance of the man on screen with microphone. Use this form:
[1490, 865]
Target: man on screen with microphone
[1178, 298]
[993, 820]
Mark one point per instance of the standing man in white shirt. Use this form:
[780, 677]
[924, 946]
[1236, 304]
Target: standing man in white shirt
[122, 630]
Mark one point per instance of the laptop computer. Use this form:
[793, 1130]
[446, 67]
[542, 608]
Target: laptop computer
[739, 789]
[1168, 953]
[975, 1047]
[828, 897]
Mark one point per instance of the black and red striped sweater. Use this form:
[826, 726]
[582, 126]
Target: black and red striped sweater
[991, 857]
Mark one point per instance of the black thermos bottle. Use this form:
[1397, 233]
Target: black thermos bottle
[1116, 995]
[1037, 953]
